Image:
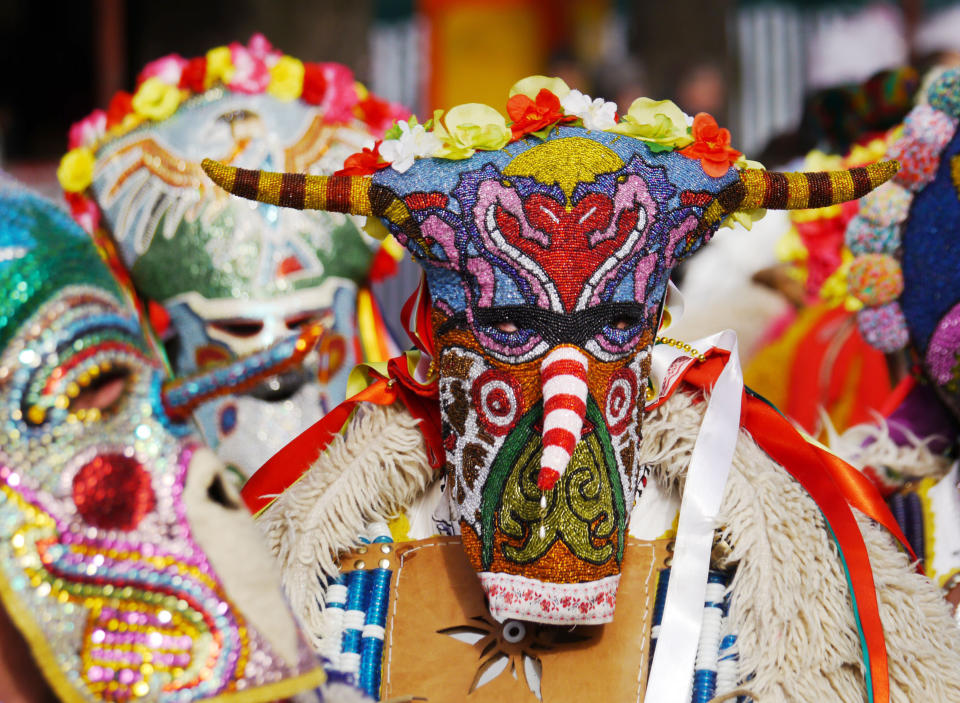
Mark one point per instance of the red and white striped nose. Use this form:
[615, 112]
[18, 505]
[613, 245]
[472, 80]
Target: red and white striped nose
[563, 374]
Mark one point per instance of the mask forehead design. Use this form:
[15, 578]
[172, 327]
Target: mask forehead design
[99, 559]
[161, 211]
[547, 263]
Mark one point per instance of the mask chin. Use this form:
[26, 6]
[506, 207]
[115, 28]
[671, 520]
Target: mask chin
[232, 543]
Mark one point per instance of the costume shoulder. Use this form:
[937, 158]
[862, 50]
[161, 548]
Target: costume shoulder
[368, 474]
[789, 601]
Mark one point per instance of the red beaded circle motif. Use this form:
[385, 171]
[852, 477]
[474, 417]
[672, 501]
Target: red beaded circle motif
[621, 400]
[113, 492]
[498, 400]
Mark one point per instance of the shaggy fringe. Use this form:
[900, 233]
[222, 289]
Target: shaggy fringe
[368, 475]
[789, 604]
[870, 444]
[790, 607]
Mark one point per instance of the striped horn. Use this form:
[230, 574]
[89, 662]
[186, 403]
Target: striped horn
[349, 194]
[794, 191]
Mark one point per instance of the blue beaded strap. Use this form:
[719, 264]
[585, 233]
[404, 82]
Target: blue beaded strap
[357, 615]
[716, 666]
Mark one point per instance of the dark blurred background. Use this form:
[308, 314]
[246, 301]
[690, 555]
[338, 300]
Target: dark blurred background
[763, 68]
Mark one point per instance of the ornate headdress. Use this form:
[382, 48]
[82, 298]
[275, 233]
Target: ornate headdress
[904, 240]
[547, 246]
[234, 279]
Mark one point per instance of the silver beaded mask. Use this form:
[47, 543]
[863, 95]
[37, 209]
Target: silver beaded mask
[236, 278]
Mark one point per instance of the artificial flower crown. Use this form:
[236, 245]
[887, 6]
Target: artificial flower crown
[536, 106]
[166, 83]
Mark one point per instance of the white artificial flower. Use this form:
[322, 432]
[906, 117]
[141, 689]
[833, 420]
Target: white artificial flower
[597, 114]
[414, 143]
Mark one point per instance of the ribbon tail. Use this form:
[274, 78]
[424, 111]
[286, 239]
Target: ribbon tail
[671, 670]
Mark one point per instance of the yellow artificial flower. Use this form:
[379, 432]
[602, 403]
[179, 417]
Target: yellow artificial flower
[75, 172]
[790, 248]
[660, 123]
[745, 219]
[219, 66]
[861, 154]
[286, 78]
[469, 127]
[156, 100]
[532, 85]
[818, 160]
[362, 92]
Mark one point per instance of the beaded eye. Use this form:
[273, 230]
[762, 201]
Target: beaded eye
[99, 389]
[238, 327]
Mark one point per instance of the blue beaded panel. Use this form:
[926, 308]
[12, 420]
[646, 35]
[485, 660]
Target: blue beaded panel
[358, 602]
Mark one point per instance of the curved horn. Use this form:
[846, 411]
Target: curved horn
[794, 191]
[349, 194]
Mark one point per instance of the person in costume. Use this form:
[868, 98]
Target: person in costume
[524, 563]
[127, 563]
[234, 280]
[903, 274]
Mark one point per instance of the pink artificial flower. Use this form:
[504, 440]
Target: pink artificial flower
[341, 94]
[250, 71]
[261, 48]
[167, 68]
[87, 131]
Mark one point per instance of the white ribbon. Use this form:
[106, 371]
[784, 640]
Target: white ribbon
[671, 672]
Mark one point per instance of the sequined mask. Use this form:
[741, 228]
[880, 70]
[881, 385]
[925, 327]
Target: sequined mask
[113, 562]
[234, 278]
[547, 263]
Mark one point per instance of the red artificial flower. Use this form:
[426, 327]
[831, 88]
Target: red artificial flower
[121, 105]
[533, 115]
[363, 163]
[194, 74]
[314, 84]
[711, 145]
[380, 115]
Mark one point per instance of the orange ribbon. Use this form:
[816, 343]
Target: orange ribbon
[835, 487]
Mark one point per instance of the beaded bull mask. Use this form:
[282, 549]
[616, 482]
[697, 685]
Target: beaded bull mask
[113, 561]
[236, 279]
[547, 250]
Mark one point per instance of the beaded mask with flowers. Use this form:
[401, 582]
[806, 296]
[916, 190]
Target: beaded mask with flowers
[547, 246]
[235, 279]
[113, 562]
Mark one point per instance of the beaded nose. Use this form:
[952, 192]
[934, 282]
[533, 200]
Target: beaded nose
[563, 374]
